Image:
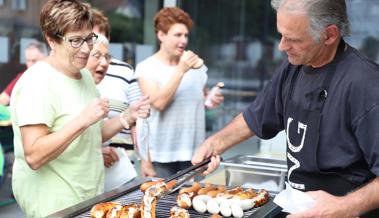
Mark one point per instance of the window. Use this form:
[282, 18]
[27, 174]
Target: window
[18, 5]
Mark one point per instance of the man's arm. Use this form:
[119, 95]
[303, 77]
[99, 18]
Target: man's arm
[365, 198]
[352, 205]
[235, 132]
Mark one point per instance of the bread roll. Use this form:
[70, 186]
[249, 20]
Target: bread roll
[148, 209]
[132, 210]
[100, 210]
[198, 63]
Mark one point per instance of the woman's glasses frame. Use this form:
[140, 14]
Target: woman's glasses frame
[77, 41]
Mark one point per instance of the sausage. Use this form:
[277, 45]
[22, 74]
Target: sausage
[194, 188]
[236, 210]
[144, 186]
[207, 185]
[221, 187]
[225, 209]
[247, 204]
[199, 203]
[206, 189]
[212, 206]
[213, 193]
[171, 184]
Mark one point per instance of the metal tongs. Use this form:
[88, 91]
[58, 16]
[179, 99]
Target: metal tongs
[185, 175]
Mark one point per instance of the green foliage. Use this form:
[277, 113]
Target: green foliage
[124, 29]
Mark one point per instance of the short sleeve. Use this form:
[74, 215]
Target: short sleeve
[133, 92]
[10, 86]
[264, 115]
[34, 104]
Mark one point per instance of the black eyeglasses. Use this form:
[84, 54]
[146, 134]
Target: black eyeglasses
[78, 41]
[98, 56]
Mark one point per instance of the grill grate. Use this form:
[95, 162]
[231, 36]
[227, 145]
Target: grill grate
[163, 207]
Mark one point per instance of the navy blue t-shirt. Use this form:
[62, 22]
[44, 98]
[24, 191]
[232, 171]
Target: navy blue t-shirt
[349, 128]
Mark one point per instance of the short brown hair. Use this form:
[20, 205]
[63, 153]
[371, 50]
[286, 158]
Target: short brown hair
[61, 16]
[169, 16]
[100, 20]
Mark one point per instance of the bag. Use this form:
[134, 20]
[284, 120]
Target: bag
[120, 173]
[142, 147]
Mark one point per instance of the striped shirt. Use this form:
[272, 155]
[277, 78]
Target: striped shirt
[119, 85]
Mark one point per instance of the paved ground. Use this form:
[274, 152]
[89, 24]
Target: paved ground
[8, 206]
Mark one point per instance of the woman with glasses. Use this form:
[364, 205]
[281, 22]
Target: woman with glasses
[57, 117]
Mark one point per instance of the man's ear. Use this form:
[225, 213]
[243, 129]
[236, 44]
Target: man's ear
[331, 34]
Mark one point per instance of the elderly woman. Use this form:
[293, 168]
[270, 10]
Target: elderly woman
[115, 159]
[55, 113]
[99, 59]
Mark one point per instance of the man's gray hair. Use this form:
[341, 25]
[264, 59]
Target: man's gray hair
[321, 13]
[40, 46]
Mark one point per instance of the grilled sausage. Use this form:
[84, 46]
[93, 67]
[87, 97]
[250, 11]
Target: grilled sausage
[194, 188]
[144, 186]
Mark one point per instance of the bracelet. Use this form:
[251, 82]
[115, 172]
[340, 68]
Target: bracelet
[123, 121]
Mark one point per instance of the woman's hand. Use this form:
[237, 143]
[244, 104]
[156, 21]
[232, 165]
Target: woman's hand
[109, 155]
[97, 110]
[147, 169]
[187, 61]
[137, 109]
[214, 97]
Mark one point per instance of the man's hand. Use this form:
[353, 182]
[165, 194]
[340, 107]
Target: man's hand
[109, 155]
[206, 151]
[326, 206]
[147, 169]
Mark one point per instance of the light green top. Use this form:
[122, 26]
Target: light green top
[44, 95]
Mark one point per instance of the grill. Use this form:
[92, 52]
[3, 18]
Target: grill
[131, 194]
[163, 207]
